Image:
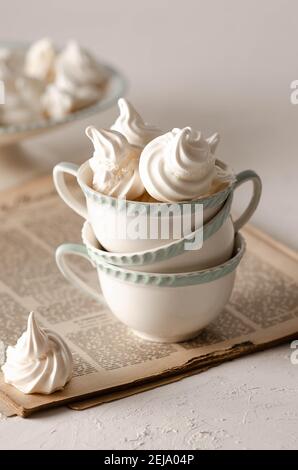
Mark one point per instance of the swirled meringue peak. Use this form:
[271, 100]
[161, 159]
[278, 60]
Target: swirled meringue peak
[40, 362]
[179, 165]
[115, 164]
[130, 124]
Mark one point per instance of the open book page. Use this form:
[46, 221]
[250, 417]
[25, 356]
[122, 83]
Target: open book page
[108, 357]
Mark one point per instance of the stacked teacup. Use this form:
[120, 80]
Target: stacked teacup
[157, 225]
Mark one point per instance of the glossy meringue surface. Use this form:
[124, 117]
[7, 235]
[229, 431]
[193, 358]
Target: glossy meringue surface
[115, 164]
[131, 124]
[179, 165]
[40, 362]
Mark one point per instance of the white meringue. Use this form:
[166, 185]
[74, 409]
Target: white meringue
[40, 60]
[178, 165]
[57, 103]
[11, 62]
[22, 94]
[13, 59]
[213, 141]
[40, 362]
[78, 67]
[16, 111]
[76, 85]
[130, 124]
[82, 94]
[40, 83]
[115, 164]
[22, 102]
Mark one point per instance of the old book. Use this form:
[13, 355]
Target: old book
[110, 362]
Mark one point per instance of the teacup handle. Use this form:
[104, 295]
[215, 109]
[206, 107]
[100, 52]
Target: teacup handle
[64, 267]
[62, 189]
[242, 177]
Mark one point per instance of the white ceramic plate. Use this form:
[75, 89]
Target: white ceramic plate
[115, 89]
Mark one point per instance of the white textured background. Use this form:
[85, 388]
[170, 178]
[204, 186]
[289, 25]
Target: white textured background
[250, 403]
[213, 64]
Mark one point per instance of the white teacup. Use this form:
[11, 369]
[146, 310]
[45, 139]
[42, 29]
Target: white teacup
[105, 211]
[160, 307]
[175, 257]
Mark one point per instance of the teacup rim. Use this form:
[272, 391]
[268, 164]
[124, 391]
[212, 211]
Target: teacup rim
[208, 201]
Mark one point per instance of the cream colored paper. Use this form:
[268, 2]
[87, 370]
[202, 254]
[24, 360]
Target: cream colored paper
[110, 362]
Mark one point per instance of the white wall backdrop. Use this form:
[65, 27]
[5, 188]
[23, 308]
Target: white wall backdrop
[221, 65]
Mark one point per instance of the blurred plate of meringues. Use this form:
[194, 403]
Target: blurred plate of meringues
[43, 87]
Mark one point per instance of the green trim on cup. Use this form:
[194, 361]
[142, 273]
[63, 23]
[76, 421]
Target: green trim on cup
[214, 200]
[159, 280]
[162, 253]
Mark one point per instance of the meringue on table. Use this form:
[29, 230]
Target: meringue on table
[115, 164]
[40, 362]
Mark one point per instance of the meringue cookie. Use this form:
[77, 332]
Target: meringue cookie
[13, 59]
[22, 94]
[40, 60]
[22, 102]
[40, 362]
[11, 63]
[57, 103]
[76, 85]
[115, 164]
[15, 111]
[178, 165]
[40, 83]
[130, 124]
[83, 94]
[31, 91]
[213, 141]
[6, 74]
[78, 67]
